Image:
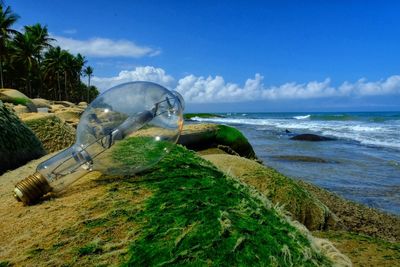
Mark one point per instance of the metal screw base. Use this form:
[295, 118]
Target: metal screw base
[30, 189]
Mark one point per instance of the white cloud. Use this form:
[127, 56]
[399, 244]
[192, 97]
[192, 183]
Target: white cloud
[199, 89]
[147, 73]
[103, 47]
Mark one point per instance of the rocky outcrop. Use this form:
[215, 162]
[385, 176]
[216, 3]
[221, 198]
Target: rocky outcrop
[311, 137]
[53, 132]
[18, 144]
[280, 189]
[16, 97]
[203, 136]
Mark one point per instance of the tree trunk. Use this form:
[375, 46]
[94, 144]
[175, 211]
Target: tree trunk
[59, 86]
[1, 72]
[65, 86]
[88, 90]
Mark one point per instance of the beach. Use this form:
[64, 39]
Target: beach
[362, 164]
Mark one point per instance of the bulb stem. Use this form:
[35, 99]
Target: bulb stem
[32, 188]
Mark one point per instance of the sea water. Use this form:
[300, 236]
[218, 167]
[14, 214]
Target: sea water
[362, 163]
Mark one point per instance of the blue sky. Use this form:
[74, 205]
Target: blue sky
[238, 55]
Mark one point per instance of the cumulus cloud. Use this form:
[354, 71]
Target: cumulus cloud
[147, 73]
[215, 89]
[199, 89]
[103, 47]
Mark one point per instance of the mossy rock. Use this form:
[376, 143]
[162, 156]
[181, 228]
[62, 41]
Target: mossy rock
[184, 211]
[54, 133]
[17, 98]
[18, 144]
[204, 136]
[189, 116]
[280, 189]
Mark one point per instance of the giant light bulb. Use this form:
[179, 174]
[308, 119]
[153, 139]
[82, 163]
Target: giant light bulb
[125, 130]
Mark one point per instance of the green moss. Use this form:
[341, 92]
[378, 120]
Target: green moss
[188, 116]
[20, 101]
[196, 216]
[5, 263]
[233, 138]
[91, 248]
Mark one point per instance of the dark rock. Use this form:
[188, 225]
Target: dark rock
[311, 137]
[302, 159]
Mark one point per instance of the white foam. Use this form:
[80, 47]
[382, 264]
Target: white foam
[376, 134]
[302, 117]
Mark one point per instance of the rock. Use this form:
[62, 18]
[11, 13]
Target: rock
[302, 158]
[41, 103]
[311, 137]
[83, 105]
[184, 211]
[19, 109]
[278, 188]
[54, 133]
[70, 115]
[18, 144]
[203, 136]
[65, 104]
[56, 107]
[16, 97]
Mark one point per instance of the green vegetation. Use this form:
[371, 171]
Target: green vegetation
[137, 154]
[54, 133]
[30, 64]
[197, 216]
[188, 116]
[184, 211]
[18, 144]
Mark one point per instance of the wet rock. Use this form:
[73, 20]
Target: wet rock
[302, 158]
[311, 137]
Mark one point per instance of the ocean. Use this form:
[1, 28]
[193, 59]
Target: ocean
[362, 163]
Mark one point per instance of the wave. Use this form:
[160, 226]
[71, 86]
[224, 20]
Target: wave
[302, 117]
[365, 133]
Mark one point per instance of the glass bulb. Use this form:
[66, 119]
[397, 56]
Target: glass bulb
[125, 130]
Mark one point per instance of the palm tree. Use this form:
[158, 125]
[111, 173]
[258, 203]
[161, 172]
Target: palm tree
[24, 54]
[54, 63]
[7, 19]
[43, 41]
[88, 71]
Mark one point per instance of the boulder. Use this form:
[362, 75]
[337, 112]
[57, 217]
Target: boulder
[19, 109]
[83, 105]
[54, 133]
[66, 104]
[41, 103]
[70, 115]
[281, 190]
[56, 107]
[311, 137]
[18, 144]
[203, 136]
[16, 97]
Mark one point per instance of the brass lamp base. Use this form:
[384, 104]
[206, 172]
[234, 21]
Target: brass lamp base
[30, 189]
